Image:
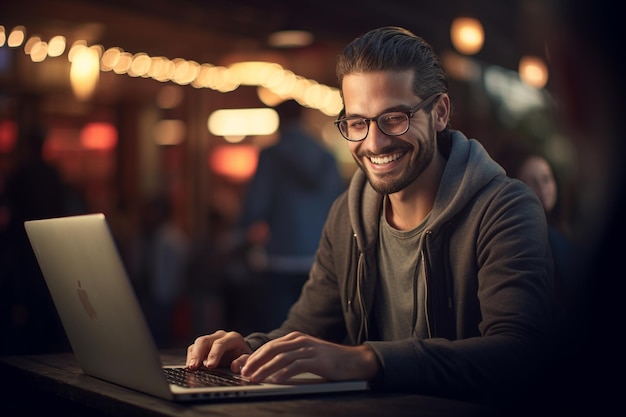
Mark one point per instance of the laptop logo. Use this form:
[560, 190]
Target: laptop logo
[84, 299]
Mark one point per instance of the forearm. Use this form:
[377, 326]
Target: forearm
[361, 363]
[478, 369]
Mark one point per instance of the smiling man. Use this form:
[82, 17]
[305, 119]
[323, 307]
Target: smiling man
[433, 274]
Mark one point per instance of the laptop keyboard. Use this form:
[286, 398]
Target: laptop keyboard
[203, 378]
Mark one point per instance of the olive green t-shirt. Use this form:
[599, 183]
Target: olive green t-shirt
[400, 292]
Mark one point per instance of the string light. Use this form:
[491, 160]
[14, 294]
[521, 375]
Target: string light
[269, 75]
[84, 71]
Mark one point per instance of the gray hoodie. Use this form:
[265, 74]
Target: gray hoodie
[488, 277]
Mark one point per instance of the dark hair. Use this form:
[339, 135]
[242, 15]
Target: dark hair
[395, 49]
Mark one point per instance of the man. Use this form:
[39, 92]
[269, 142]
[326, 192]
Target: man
[433, 273]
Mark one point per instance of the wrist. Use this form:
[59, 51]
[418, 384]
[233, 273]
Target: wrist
[368, 366]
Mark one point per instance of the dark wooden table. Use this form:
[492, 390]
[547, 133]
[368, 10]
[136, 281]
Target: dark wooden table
[53, 383]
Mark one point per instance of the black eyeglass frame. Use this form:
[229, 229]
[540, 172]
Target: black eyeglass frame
[409, 113]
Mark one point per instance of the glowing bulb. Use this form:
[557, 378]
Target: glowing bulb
[467, 35]
[84, 72]
[17, 36]
[533, 71]
[56, 46]
[243, 122]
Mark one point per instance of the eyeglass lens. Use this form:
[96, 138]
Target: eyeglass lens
[393, 124]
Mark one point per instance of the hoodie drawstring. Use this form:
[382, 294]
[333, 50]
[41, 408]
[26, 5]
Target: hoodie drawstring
[363, 328]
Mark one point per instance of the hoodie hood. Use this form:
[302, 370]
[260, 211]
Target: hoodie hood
[468, 170]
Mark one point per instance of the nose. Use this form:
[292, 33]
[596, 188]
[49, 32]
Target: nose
[375, 138]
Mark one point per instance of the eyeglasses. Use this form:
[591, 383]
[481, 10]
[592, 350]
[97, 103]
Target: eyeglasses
[394, 123]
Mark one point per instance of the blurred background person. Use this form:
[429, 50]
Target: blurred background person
[33, 190]
[160, 268]
[284, 210]
[538, 173]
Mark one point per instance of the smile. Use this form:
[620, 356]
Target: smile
[379, 160]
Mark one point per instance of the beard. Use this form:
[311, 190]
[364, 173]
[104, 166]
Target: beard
[388, 183]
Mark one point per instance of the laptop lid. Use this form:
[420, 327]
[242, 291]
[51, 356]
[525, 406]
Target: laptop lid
[103, 320]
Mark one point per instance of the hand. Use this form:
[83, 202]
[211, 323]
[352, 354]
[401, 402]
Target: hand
[295, 353]
[217, 350]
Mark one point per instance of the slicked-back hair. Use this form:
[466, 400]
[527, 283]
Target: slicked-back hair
[395, 49]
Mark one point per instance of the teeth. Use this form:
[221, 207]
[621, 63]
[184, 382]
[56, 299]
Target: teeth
[385, 159]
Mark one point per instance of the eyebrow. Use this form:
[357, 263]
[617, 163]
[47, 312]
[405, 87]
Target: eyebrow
[400, 107]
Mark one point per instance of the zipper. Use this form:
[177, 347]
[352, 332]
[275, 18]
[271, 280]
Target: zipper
[424, 269]
[427, 234]
[363, 328]
[415, 292]
[347, 285]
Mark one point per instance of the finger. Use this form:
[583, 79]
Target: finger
[194, 352]
[223, 349]
[294, 368]
[198, 351]
[278, 367]
[191, 361]
[281, 368]
[271, 349]
[239, 363]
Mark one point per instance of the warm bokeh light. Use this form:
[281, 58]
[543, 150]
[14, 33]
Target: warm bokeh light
[109, 59]
[17, 36]
[39, 51]
[56, 46]
[467, 35]
[84, 71]
[237, 162]
[140, 65]
[122, 66]
[185, 71]
[30, 43]
[268, 97]
[98, 136]
[243, 122]
[290, 39]
[254, 72]
[216, 78]
[169, 132]
[161, 69]
[533, 71]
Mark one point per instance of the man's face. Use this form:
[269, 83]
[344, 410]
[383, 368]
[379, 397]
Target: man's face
[391, 163]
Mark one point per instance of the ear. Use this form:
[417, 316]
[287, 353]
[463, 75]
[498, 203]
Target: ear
[441, 113]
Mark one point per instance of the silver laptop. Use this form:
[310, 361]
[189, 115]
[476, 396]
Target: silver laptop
[106, 327]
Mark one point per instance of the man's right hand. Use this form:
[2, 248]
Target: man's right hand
[217, 350]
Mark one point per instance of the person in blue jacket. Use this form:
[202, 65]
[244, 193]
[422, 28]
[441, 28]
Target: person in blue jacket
[296, 181]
